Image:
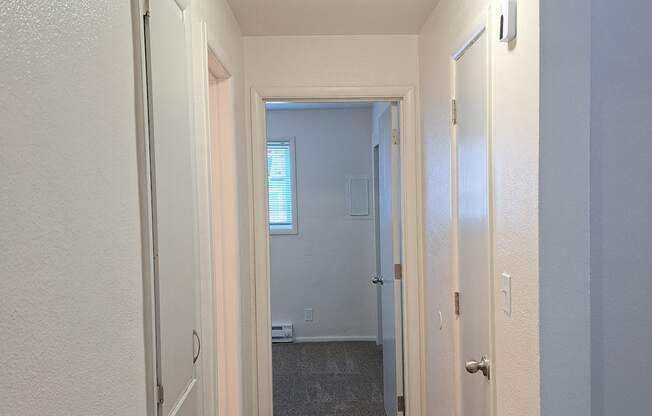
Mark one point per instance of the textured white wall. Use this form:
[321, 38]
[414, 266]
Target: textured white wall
[328, 265]
[621, 203]
[325, 61]
[515, 87]
[383, 60]
[71, 325]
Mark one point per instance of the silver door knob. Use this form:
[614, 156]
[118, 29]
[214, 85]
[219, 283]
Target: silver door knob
[377, 280]
[483, 366]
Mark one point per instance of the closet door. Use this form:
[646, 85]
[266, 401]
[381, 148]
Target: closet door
[174, 207]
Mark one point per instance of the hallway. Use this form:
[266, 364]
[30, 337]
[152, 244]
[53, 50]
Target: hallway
[162, 226]
[328, 379]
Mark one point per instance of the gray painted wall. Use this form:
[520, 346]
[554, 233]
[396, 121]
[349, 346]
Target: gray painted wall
[621, 207]
[595, 69]
[564, 240]
[328, 265]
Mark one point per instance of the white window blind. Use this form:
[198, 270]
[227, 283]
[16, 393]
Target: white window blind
[281, 183]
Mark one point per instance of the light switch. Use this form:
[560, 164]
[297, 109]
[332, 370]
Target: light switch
[307, 314]
[506, 292]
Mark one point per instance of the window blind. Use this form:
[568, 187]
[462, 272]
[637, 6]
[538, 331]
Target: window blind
[279, 179]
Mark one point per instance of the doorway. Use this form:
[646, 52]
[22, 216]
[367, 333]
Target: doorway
[325, 359]
[473, 190]
[272, 211]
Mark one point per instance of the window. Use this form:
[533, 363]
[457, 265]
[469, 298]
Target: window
[281, 182]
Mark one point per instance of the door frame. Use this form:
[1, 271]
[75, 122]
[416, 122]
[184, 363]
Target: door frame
[468, 37]
[216, 162]
[217, 297]
[411, 198]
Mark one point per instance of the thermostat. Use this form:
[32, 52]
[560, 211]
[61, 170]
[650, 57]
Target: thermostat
[508, 21]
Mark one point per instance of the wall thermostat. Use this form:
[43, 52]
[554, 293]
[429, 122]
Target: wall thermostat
[508, 21]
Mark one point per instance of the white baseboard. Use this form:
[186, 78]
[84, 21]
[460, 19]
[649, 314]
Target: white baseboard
[366, 338]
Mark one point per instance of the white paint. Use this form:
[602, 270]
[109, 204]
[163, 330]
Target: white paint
[174, 211]
[411, 195]
[378, 109]
[328, 61]
[514, 86]
[229, 200]
[328, 265]
[334, 17]
[71, 316]
[331, 60]
[506, 293]
[621, 203]
[473, 215]
[389, 233]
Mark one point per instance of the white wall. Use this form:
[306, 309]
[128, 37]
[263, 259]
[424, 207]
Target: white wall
[621, 204]
[71, 275]
[324, 61]
[71, 320]
[515, 88]
[328, 265]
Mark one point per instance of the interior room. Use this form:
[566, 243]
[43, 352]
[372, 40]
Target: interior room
[323, 178]
[325, 208]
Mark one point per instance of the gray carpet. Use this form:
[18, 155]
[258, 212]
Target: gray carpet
[328, 379]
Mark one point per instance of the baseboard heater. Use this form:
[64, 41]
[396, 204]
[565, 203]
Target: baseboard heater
[282, 333]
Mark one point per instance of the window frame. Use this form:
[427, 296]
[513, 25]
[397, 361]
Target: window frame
[294, 229]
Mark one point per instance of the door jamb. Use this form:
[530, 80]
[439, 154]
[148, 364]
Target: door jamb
[411, 199]
[482, 25]
[216, 161]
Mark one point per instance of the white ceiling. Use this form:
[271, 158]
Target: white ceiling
[331, 17]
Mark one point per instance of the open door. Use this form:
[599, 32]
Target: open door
[173, 208]
[389, 212]
[473, 228]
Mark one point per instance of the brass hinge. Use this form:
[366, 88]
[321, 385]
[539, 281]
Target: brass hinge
[160, 394]
[396, 137]
[400, 403]
[398, 271]
[457, 303]
[454, 111]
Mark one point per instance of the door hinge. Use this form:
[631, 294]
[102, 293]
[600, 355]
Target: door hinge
[454, 111]
[457, 303]
[398, 271]
[160, 394]
[396, 137]
[400, 403]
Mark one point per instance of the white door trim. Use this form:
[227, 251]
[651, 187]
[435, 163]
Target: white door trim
[413, 329]
[218, 196]
[468, 37]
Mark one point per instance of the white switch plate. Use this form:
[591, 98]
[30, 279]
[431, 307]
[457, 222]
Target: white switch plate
[307, 314]
[506, 292]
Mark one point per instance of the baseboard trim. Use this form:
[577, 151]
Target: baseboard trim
[371, 338]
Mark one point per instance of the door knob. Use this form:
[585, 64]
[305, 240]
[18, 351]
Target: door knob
[377, 280]
[483, 366]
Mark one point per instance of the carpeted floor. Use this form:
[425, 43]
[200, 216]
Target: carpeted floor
[328, 379]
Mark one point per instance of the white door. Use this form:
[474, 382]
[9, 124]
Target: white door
[377, 272]
[390, 256]
[174, 208]
[474, 228]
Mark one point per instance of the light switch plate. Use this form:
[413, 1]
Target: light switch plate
[307, 314]
[506, 292]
